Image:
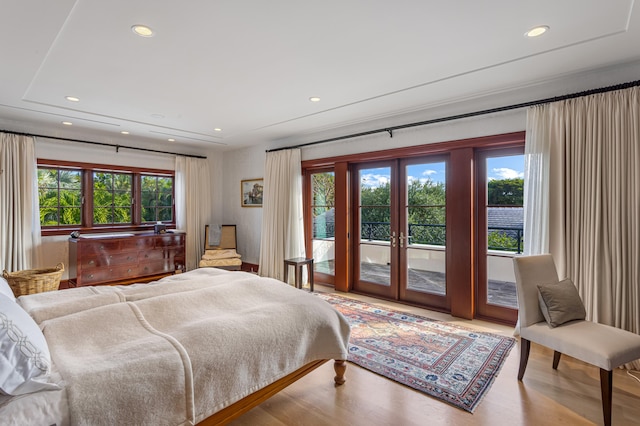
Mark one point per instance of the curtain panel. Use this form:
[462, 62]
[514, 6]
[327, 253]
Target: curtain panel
[591, 146]
[20, 240]
[282, 218]
[194, 202]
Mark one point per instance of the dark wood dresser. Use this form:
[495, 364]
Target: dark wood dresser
[124, 259]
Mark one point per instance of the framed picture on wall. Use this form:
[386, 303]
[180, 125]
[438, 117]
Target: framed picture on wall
[251, 192]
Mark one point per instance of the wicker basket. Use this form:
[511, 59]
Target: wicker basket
[32, 281]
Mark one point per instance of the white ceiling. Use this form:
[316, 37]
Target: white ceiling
[249, 67]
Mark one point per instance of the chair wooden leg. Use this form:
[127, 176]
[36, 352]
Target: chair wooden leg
[525, 347]
[606, 386]
[556, 359]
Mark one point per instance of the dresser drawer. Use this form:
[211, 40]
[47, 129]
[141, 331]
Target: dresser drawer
[107, 274]
[107, 259]
[102, 246]
[153, 254]
[156, 267]
[138, 244]
[169, 240]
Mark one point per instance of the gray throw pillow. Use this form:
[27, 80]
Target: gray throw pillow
[560, 303]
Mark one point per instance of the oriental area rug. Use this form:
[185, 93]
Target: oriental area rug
[446, 361]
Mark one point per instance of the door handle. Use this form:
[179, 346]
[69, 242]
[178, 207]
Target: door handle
[401, 238]
[393, 239]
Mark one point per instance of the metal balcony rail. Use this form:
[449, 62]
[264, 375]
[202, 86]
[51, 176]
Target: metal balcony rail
[500, 238]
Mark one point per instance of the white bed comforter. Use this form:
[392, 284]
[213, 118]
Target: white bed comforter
[180, 349]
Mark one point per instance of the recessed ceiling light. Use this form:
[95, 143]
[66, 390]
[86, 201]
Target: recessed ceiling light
[314, 99]
[72, 99]
[142, 30]
[217, 129]
[171, 140]
[124, 132]
[537, 31]
[67, 123]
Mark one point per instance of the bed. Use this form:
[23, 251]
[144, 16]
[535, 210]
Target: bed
[201, 347]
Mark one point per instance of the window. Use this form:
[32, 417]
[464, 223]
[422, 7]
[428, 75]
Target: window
[60, 195]
[80, 196]
[157, 198]
[112, 199]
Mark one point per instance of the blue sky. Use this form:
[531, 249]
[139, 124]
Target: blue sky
[497, 168]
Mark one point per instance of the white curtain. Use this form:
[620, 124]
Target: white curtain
[536, 184]
[593, 186]
[194, 189]
[282, 220]
[19, 205]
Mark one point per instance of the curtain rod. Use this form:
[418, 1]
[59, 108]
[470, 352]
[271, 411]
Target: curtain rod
[469, 114]
[117, 147]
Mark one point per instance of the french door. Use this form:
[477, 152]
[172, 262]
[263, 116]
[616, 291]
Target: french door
[400, 246]
[500, 216]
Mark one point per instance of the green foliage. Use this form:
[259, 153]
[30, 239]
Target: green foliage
[157, 198]
[59, 196]
[323, 189]
[500, 240]
[323, 193]
[425, 209]
[505, 192]
[111, 198]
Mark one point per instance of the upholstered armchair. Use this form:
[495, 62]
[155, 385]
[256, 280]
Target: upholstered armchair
[551, 314]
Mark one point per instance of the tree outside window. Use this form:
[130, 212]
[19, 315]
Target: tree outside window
[157, 198]
[112, 198]
[60, 196]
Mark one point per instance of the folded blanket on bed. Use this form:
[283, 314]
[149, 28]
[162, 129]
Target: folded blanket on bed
[180, 349]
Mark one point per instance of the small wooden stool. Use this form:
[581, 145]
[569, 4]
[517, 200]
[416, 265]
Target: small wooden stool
[298, 263]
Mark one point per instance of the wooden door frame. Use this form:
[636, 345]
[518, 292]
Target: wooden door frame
[463, 278]
[434, 301]
[485, 310]
[374, 289]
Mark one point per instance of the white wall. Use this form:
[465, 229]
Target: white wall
[240, 165]
[249, 163]
[229, 168]
[55, 249]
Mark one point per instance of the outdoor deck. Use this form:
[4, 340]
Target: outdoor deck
[501, 293]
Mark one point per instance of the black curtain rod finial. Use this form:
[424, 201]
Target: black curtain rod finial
[390, 131]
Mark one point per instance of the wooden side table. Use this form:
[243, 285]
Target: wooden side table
[298, 263]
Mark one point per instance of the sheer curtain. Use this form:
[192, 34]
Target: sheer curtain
[282, 220]
[536, 183]
[194, 203]
[593, 227]
[19, 204]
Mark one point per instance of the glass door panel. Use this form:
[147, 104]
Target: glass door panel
[500, 223]
[323, 223]
[422, 238]
[376, 245]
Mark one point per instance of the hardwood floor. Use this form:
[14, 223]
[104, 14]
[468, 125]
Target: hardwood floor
[567, 396]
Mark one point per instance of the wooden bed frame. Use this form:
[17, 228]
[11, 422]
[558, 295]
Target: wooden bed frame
[237, 409]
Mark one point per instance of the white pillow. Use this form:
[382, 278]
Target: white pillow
[25, 361]
[6, 289]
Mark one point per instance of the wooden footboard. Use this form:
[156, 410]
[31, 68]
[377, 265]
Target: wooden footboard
[237, 409]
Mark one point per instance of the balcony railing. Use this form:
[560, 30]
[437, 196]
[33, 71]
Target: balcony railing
[500, 238]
